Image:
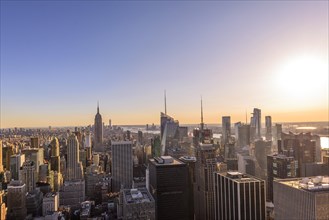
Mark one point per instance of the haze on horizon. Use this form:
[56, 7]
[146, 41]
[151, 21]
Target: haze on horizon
[58, 58]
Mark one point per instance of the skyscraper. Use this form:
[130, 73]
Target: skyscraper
[190, 162]
[268, 125]
[169, 132]
[239, 196]
[281, 167]
[122, 165]
[168, 184]
[16, 200]
[35, 143]
[16, 161]
[226, 128]
[28, 175]
[301, 146]
[206, 165]
[301, 198]
[257, 121]
[74, 166]
[98, 126]
[55, 159]
[1, 164]
[243, 135]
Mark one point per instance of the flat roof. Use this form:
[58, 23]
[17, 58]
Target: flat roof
[121, 142]
[239, 177]
[135, 196]
[310, 184]
[167, 161]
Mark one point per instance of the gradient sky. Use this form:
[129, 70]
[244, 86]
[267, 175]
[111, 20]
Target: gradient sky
[58, 58]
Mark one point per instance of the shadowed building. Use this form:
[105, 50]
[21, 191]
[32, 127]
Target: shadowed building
[168, 184]
[205, 166]
[98, 135]
[301, 198]
[122, 165]
[239, 196]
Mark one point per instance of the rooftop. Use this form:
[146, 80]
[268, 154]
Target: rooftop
[121, 142]
[312, 184]
[239, 177]
[134, 196]
[165, 161]
[188, 159]
[50, 195]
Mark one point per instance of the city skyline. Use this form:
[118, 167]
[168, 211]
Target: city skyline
[56, 64]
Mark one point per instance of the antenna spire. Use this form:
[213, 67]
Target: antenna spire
[98, 107]
[202, 124]
[165, 102]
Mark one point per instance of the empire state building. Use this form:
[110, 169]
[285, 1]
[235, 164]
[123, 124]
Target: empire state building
[98, 126]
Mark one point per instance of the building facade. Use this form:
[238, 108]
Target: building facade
[122, 165]
[239, 196]
[205, 166]
[98, 126]
[168, 184]
[302, 198]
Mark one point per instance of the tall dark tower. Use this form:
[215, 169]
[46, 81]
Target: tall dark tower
[98, 126]
[169, 186]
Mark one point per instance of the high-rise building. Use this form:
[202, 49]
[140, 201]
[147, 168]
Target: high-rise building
[156, 146]
[257, 119]
[168, 184]
[34, 202]
[72, 192]
[243, 135]
[36, 155]
[239, 196]
[87, 141]
[28, 175]
[54, 147]
[262, 149]
[206, 165]
[277, 130]
[281, 167]
[16, 201]
[16, 161]
[73, 167]
[1, 164]
[122, 165]
[315, 169]
[301, 198]
[303, 147]
[136, 204]
[169, 132]
[35, 142]
[55, 159]
[3, 209]
[50, 203]
[202, 134]
[98, 126]
[268, 126]
[190, 162]
[226, 128]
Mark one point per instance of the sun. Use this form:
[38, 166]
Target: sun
[303, 78]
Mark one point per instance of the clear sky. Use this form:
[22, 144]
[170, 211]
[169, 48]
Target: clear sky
[58, 58]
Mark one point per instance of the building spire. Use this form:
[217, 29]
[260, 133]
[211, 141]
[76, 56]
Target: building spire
[165, 102]
[97, 107]
[202, 124]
